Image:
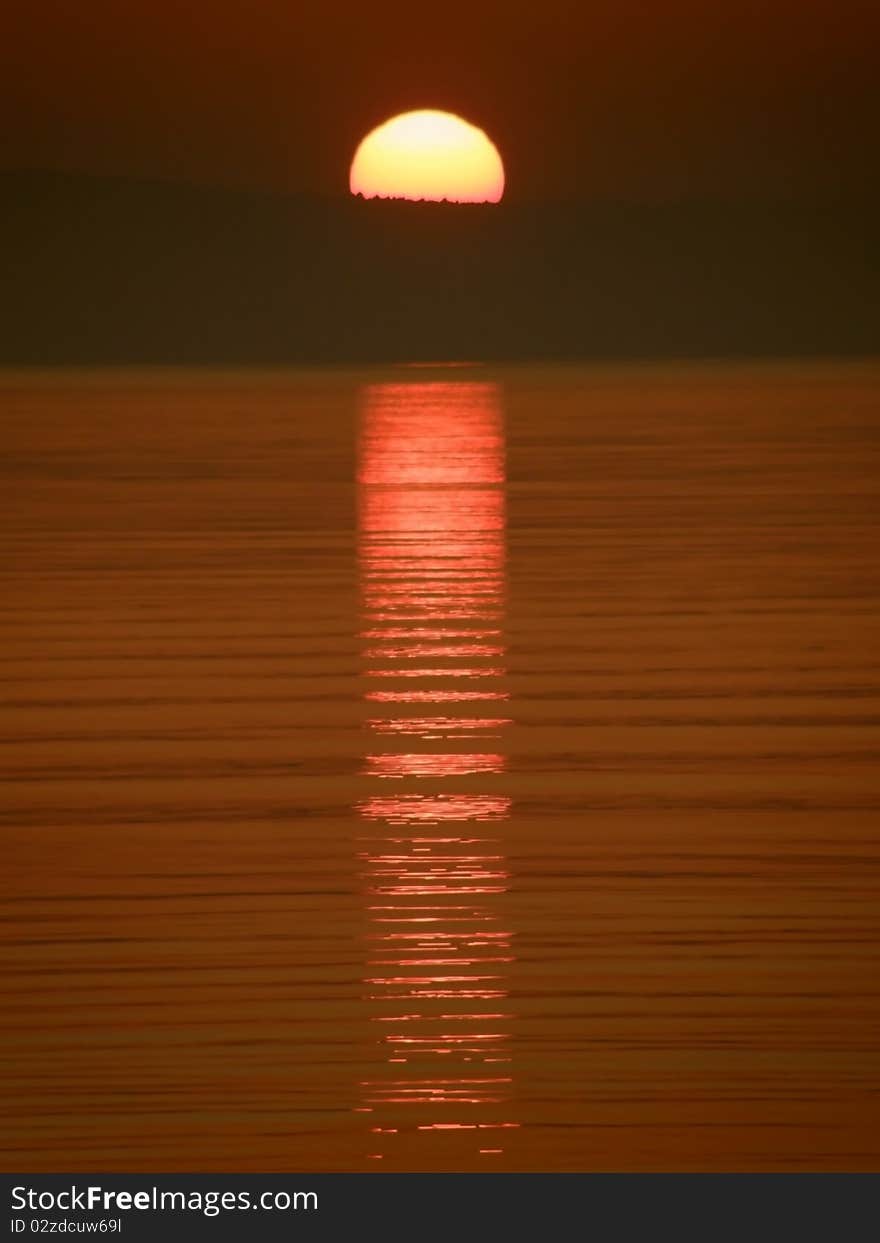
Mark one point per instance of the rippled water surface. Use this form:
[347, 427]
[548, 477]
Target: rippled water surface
[441, 768]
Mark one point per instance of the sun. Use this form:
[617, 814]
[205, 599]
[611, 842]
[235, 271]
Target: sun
[428, 155]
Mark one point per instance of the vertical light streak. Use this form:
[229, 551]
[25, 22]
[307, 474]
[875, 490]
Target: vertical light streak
[433, 867]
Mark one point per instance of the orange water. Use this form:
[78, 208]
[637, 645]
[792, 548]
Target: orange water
[441, 768]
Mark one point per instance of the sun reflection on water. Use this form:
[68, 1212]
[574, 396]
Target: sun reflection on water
[438, 951]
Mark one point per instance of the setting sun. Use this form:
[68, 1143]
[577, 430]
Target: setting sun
[428, 155]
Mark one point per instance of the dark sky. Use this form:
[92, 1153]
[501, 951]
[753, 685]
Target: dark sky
[585, 99]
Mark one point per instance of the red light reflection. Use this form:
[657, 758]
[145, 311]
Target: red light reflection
[436, 727]
[432, 554]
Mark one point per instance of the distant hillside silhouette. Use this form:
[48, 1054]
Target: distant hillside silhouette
[105, 270]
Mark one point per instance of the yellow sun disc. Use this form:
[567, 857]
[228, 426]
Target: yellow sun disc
[428, 155]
